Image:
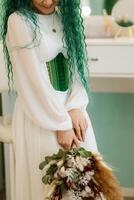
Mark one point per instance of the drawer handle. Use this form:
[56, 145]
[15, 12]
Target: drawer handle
[94, 59]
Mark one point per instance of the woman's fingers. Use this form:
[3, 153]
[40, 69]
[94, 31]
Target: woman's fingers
[73, 146]
[83, 130]
[76, 142]
[86, 123]
[65, 138]
[78, 131]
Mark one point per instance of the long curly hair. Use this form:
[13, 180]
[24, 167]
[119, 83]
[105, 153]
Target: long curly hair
[73, 30]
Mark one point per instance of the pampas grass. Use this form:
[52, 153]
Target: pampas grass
[107, 181]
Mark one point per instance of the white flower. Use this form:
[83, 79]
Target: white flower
[81, 163]
[88, 176]
[83, 181]
[62, 172]
[78, 164]
[88, 190]
[84, 193]
[60, 163]
[66, 173]
[80, 167]
[71, 162]
[91, 173]
[77, 159]
[69, 172]
[84, 161]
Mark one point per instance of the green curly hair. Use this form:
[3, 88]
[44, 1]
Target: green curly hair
[73, 30]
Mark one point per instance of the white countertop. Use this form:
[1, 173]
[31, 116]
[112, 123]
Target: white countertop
[110, 41]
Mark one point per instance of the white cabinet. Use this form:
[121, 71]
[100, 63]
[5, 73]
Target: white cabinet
[111, 63]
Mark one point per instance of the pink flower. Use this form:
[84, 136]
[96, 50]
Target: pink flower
[69, 184]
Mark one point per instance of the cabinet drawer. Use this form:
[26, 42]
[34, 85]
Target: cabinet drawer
[111, 61]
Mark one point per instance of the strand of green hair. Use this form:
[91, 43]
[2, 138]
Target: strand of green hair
[7, 7]
[74, 36]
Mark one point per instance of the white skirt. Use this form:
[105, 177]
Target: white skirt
[30, 145]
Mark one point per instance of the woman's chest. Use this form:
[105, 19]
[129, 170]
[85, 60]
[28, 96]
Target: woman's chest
[51, 40]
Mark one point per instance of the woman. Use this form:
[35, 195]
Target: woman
[36, 36]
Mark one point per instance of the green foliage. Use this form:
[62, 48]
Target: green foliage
[79, 152]
[125, 23]
[109, 5]
[63, 188]
[43, 164]
[62, 155]
[47, 179]
[52, 169]
[84, 153]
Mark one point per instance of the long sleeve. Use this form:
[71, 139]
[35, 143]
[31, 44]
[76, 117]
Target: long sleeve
[78, 99]
[37, 96]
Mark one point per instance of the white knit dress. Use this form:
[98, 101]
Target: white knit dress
[39, 109]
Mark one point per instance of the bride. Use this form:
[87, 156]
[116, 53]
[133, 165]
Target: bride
[46, 58]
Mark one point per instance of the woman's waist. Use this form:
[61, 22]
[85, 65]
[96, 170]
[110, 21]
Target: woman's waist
[62, 95]
[58, 73]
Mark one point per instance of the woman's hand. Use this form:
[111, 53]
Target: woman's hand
[67, 139]
[79, 123]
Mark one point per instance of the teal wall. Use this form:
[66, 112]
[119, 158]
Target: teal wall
[112, 117]
[97, 6]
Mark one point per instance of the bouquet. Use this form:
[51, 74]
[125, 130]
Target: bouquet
[81, 173]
